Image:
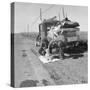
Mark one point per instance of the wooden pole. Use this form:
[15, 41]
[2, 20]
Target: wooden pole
[40, 14]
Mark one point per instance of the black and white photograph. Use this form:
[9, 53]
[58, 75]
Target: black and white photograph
[49, 44]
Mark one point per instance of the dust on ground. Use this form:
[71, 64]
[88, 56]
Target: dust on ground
[29, 71]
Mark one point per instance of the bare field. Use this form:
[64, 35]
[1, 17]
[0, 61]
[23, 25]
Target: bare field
[30, 71]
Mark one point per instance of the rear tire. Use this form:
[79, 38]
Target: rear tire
[56, 47]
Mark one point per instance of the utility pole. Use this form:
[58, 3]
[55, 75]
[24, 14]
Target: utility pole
[63, 12]
[27, 28]
[40, 14]
[59, 16]
[66, 14]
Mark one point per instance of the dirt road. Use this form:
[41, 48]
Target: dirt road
[30, 71]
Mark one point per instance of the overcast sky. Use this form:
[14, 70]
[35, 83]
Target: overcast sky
[26, 15]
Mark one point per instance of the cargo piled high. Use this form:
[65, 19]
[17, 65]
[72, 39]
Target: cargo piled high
[56, 37]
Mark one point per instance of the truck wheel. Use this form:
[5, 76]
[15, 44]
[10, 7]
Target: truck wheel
[42, 51]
